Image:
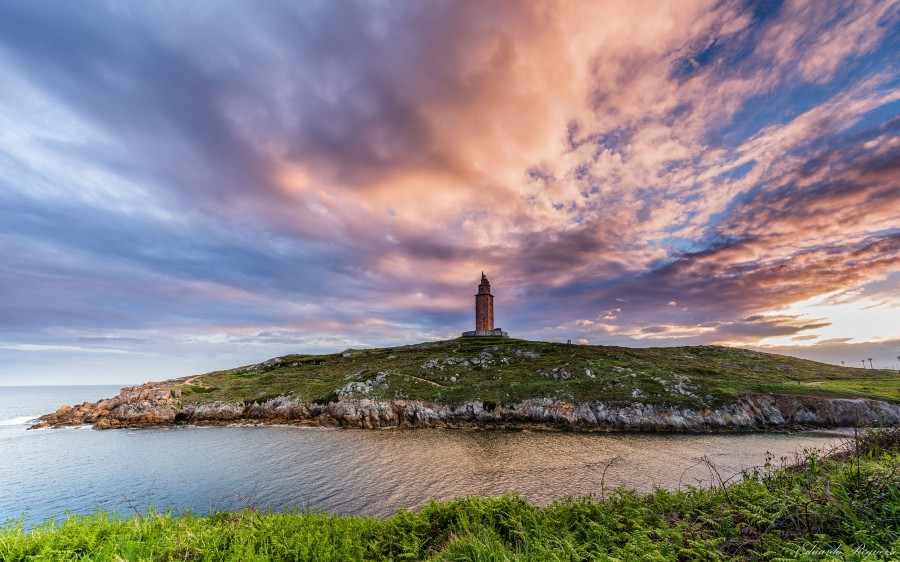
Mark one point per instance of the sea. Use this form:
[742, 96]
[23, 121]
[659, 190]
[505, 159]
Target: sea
[55, 473]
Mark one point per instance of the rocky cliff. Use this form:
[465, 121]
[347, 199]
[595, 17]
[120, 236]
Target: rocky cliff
[155, 405]
[146, 405]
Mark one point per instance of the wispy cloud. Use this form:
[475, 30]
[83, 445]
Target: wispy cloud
[66, 348]
[338, 174]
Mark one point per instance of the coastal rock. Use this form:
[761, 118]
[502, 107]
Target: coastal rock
[151, 405]
[142, 406]
[213, 411]
[107, 423]
[145, 405]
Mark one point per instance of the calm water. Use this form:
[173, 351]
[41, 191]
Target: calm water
[373, 472]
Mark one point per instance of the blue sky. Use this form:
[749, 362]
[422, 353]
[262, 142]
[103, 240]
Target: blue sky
[193, 186]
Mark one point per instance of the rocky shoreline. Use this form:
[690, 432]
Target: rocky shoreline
[152, 405]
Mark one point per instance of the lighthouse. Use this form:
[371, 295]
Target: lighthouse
[484, 312]
[484, 306]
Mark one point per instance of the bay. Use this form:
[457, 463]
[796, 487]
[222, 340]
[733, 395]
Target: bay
[47, 473]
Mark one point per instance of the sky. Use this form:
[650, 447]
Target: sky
[191, 186]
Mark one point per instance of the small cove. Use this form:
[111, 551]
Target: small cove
[367, 472]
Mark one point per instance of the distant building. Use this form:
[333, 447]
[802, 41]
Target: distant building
[484, 312]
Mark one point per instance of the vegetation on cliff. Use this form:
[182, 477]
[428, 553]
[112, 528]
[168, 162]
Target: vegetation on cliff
[507, 371]
[846, 507]
[478, 382]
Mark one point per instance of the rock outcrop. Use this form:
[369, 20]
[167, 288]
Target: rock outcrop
[146, 405]
[153, 405]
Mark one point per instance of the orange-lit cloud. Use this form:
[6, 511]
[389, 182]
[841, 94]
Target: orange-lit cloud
[340, 174]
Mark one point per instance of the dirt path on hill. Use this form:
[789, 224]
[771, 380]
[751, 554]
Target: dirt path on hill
[425, 380]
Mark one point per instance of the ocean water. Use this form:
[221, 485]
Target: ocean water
[51, 472]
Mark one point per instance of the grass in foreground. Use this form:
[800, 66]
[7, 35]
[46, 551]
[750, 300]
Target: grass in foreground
[843, 508]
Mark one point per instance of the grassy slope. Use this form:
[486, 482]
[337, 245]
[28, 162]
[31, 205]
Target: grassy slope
[507, 371]
[825, 510]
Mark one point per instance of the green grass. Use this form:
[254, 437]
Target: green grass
[507, 371]
[847, 506]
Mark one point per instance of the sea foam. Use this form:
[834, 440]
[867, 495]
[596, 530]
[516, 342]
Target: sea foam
[19, 420]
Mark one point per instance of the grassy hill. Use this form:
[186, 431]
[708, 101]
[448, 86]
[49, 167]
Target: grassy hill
[506, 371]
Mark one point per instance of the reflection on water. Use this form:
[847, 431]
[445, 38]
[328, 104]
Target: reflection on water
[373, 472]
[45, 472]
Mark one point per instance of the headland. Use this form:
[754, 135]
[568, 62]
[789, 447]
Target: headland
[496, 382]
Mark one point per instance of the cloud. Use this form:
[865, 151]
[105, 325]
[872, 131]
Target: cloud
[341, 172]
[836, 340]
[806, 337]
[884, 352]
[67, 348]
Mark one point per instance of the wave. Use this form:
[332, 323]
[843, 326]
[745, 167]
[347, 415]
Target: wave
[19, 420]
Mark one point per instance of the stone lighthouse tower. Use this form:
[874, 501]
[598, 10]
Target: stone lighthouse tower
[484, 306]
[484, 312]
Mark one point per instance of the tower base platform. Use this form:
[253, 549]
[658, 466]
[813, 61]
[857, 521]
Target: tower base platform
[496, 332]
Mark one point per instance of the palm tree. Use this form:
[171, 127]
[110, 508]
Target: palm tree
[870, 362]
[864, 363]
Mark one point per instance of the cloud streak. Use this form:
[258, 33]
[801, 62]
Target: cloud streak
[310, 177]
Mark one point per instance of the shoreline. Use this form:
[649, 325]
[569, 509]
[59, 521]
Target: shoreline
[153, 405]
[823, 503]
[838, 432]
